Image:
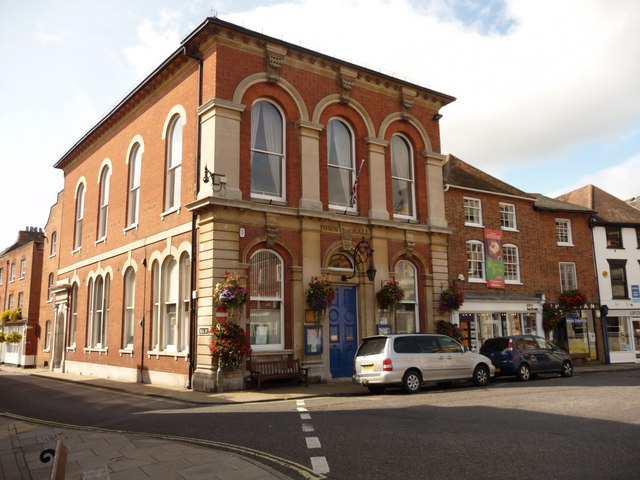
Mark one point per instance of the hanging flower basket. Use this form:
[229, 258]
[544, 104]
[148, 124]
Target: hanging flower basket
[572, 300]
[230, 293]
[449, 329]
[451, 298]
[229, 343]
[389, 295]
[551, 316]
[319, 296]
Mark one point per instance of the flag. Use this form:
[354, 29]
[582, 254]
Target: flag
[353, 198]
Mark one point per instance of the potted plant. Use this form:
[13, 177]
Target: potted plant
[11, 315]
[319, 294]
[451, 298]
[230, 293]
[389, 295]
[449, 329]
[229, 343]
[551, 316]
[13, 337]
[572, 300]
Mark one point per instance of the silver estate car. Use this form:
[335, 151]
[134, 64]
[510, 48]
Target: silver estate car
[410, 360]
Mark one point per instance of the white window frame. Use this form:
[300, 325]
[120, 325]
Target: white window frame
[281, 155]
[103, 203]
[20, 300]
[472, 204]
[79, 218]
[478, 248]
[410, 180]
[47, 336]
[508, 216]
[351, 169]
[10, 302]
[23, 268]
[567, 283]
[133, 194]
[401, 267]
[563, 229]
[507, 248]
[73, 317]
[98, 321]
[255, 295]
[129, 296]
[173, 165]
[49, 287]
[1, 276]
[54, 244]
[12, 272]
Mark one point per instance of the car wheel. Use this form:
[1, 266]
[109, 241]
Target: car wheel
[481, 376]
[567, 369]
[524, 372]
[412, 381]
[376, 389]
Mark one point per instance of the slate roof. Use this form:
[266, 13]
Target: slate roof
[609, 209]
[554, 205]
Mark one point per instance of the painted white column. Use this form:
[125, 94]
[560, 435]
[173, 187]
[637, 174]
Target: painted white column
[310, 164]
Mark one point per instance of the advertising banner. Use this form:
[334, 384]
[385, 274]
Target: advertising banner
[493, 258]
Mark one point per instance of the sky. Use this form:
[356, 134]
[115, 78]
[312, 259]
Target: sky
[548, 91]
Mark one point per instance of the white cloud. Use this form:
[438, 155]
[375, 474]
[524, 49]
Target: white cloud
[620, 180]
[157, 41]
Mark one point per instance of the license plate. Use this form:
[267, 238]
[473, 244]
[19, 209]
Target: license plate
[367, 368]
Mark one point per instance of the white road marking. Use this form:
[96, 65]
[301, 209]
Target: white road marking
[312, 442]
[307, 427]
[299, 402]
[302, 409]
[305, 416]
[319, 465]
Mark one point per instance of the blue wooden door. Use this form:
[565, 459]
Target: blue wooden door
[343, 331]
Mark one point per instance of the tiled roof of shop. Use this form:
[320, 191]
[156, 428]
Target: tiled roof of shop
[609, 209]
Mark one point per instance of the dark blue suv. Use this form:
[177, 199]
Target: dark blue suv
[525, 356]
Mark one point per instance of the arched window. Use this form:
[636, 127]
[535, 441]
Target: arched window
[407, 312]
[511, 263]
[133, 196]
[171, 290]
[53, 247]
[79, 217]
[47, 336]
[129, 308]
[475, 260]
[402, 178]
[98, 312]
[267, 152]
[73, 316]
[267, 312]
[173, 174]
[341, 164]
[49, 287]
[103, 206]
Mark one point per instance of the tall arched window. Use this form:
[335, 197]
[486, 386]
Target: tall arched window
[129, 308]
[54, 244]
[103, 206]
[98, 312]
[267, 312]
[133, 196]
[402, 178]
[407, 312]
[341, 164]
[73, 316]
[475, 260]
[173, 174]
[49, 287]
[267, 152]
[171, 290]
[79, 217]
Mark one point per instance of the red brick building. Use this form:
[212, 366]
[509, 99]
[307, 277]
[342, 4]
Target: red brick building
[20, 281]
[240, 154]
[542, 248]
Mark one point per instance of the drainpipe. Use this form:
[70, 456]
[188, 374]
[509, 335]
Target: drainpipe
[194, 237]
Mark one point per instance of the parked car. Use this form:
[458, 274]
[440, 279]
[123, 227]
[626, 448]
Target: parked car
[410, 360]
[525, 356]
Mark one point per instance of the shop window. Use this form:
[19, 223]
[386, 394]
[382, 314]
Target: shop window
[341, 164]
[614, 237]
[618, 334]
[568, 279]
[103, 204]
[267, 152]
[472, 212]
[618, 276]
[511, 263]
[407, 310]
[265, 301]
[129, 308]
[563, 232]
[133, 195]
[402, 178]
[173, 162]
[508, 216]
[475, 260]
[79, 218]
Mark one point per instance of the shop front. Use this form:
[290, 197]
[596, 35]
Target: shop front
[623, 335]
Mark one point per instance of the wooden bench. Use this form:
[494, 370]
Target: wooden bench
[277, 369]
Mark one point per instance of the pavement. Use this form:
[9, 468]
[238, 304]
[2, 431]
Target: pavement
[97, 454]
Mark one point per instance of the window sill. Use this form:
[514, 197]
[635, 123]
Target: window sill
[343, 209]
[513, 282]
[126, 351]
[52, 255]
[505, 229]
[77, 250]
[133, 226]
[169, 212]
[165, 353]
[98, 350]
[46, 350]
[100, 240]
[71, 348]
[561, 244]
[476, 280]
[270, 201]
[614, 248]
[277, 350]
[404, 218]
[475, 225]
